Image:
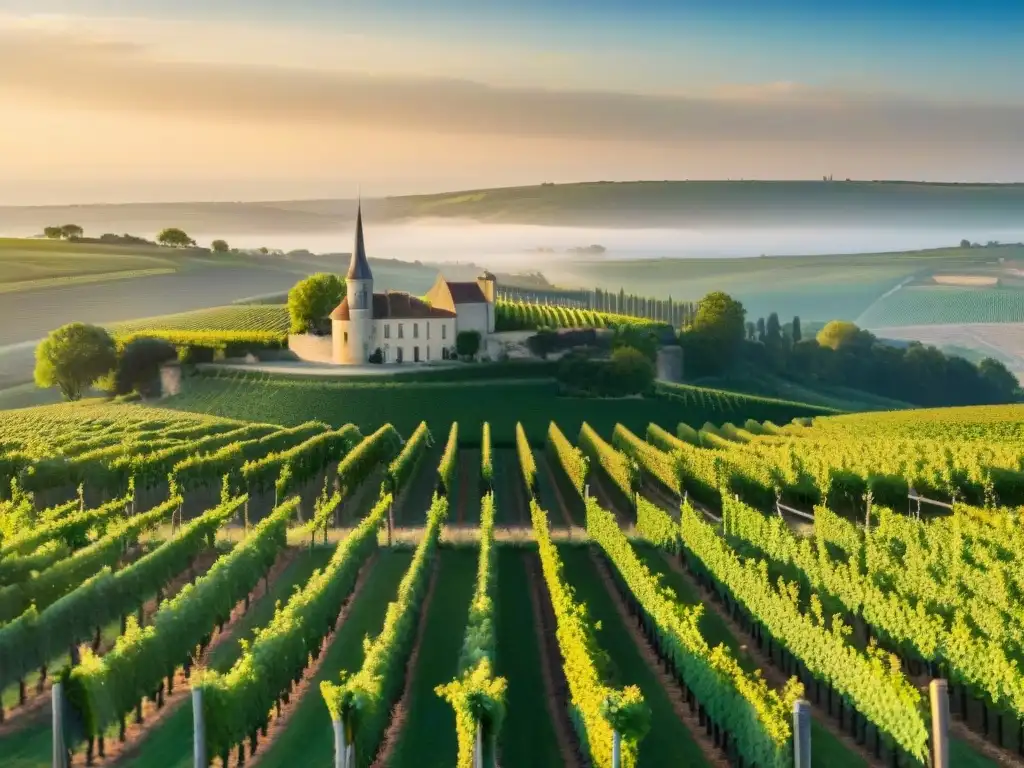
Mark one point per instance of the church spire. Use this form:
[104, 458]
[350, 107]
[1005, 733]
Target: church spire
[359, 267]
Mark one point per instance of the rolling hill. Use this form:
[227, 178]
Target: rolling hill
[606, 204]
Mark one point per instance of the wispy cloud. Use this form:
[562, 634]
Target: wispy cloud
[54, 64]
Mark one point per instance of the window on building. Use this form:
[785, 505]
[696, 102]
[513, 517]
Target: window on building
[387, 331]
[400, 329]
[415, 330]
[444, 331]
[398, 353]
[428, 349]
[346, 337]
[428, 329]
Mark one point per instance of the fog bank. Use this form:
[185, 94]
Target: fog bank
[507, 245]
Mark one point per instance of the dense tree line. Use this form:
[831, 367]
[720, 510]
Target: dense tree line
[722, 341]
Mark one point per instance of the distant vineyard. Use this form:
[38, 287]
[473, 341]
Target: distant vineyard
[266, 318]
[945, 305]
[668, 311]
[524, 316]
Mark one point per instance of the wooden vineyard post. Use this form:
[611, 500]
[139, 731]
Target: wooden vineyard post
[60, 752]
[617, 749]
[939, 690]
[198, 730]
[801, 734]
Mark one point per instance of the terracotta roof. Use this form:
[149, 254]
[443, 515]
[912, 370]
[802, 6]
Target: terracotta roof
[395, 305]
[341, 311]
[466, 293]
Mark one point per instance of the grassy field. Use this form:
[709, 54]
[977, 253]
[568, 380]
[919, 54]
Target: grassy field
[287, 401]
[33, 262]
[816, 288]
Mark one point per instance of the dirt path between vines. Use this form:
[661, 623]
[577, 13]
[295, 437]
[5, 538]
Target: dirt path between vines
[564, 508]
[555, 686]
[37, 702]
[279, 720]
[772, 674]
[519, 492]
[136, 733]
[669, 685]
[400, 711]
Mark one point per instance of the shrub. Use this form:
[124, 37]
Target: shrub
[138, 368]
[467, 343]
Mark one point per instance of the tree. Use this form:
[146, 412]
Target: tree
[772, 330]
[219, 246]
[73, 357]
[1003, 383]
[760, 329]
[264, 250]
[138, 367]
[840, 334]
[751, 331]
[796, 332]
[172, 237]
[467, 343]
[54, 233]
[965, 243]
[719, 326]
[71, 231]
[311, 300]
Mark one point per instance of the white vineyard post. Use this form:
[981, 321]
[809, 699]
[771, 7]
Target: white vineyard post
[586, 491]
[340, 747]
[198, 730]
[801, 734]
[60, 753]
[391, 518]
[939, 690]
[616, 749]
[478, 754]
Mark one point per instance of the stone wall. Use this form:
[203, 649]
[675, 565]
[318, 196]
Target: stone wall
[311, 348]
[170, 379]
[670, 363]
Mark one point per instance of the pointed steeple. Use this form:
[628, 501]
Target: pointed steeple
[359, 267]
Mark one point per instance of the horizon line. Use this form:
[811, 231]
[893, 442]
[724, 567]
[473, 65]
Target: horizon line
[467, 190]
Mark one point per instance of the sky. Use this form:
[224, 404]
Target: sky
[161, 100]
